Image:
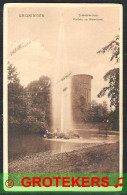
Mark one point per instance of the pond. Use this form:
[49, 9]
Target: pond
[25, 144]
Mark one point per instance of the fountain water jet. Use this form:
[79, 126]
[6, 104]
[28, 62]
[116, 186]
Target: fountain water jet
[61, 89]
[68, 89]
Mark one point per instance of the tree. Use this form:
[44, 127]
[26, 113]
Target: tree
[112, 90]
[114, 48]
[112, 76]
[12, 74]
[29, 109]
[16, 103]
[38, 95]
[97, 112]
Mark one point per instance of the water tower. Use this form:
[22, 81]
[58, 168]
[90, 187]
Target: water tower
[81, 96]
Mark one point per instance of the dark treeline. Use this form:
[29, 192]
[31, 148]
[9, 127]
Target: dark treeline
[96, 113]
[28, 107]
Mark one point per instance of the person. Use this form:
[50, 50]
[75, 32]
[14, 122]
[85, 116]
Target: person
[107, 126]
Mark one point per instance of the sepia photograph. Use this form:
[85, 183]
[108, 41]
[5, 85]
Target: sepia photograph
[63, 88]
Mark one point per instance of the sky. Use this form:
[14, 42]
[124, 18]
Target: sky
[85, 30]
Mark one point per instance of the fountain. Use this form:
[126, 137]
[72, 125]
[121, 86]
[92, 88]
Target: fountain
[65, 86]
[61, 89]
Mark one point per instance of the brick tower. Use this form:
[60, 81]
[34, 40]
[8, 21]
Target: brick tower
[81, 96]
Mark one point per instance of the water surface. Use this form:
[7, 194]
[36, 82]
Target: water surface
[24, 144]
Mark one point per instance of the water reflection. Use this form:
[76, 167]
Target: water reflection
[22, 144]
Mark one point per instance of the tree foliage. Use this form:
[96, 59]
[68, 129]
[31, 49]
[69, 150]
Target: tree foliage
[16, 103]
[112, 90]
[12, 74]
[97, 112]
[28, 108]
[114, 48]
[112, 76]
[39, 103]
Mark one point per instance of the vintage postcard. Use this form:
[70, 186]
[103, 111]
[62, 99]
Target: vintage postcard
[63, 88]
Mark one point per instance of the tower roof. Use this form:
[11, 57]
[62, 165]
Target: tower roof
[83, 75]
